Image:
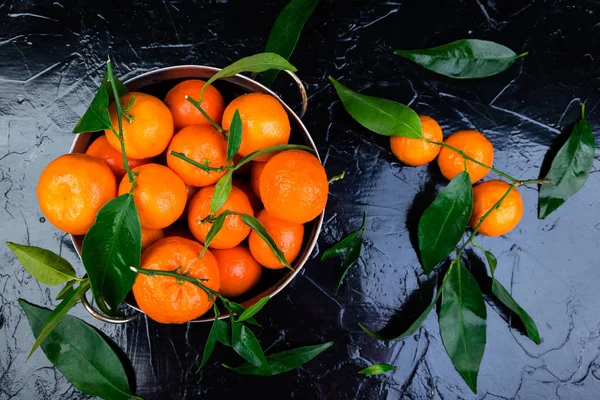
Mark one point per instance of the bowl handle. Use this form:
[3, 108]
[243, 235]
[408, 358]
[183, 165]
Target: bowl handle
[301, 88]
[105, 318]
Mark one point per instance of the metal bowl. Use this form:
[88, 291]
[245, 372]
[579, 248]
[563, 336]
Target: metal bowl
[158, 82]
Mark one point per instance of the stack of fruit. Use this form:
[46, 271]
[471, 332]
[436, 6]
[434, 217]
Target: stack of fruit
[178, 154]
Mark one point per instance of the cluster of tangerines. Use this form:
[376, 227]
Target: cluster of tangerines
[474, 144]
[173, 197]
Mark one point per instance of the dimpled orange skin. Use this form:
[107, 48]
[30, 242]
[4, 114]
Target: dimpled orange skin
[151, 130]
[239, 272]
[72, 189]
[149, 236]
[255, 171]
[502, 220]
[474, 144]
[264, 123]
[159, 195]
[287, 235]
[162, 298]
[184, 113]
[100, 148]
[200, 143]
[247, 189]
[416, 152]
[234, 230]
[294, 187]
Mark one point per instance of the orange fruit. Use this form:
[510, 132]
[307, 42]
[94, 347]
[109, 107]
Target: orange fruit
[234, 230]
[293, 186]
[201, 144]
[416, 152]
[159, 195]
[264, 122]
[247, 189]
[184, 112]
[190, 191]
[503, 219]
[163, 298]
[239, 272]
[255, 171]
[473, 144]
[148, 130]
[149, 236]
[287, 235]
[100, 148]
[72, 189]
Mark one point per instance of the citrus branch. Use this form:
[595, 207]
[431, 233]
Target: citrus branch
[198, 106]
[204, 167]
[111, 79]
[515, 181]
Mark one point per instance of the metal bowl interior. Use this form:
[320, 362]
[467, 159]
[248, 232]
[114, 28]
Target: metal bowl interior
[158, 83]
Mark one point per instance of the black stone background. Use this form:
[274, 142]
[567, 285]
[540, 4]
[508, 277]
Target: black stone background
[51, 60]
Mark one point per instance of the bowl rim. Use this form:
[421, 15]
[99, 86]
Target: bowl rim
[191, 71]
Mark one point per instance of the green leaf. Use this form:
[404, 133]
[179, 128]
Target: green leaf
[264, 235]
[239, 309]
[80, 353]
[111, 246]
[223, 332]
[235, 135]
[256, 63]
[45, 266]
[222, 192]
[337, 177]
[286, 31]
[349, 248]
[97, 117]
[417, 323]
[381, 116]
[58, 314]
[214, 229]
[462, 323]
[284, 361]
[280, 147]
[68, 288]
[569, 170]
[464, 59]
[252, 310]
[246, 345]
[209, 346]
[444, 222]
[505, 297]
[377, 369]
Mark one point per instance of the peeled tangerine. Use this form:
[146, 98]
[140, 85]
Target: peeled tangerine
[505, 217]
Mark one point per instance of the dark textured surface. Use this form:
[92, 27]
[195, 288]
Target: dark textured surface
[51, 60]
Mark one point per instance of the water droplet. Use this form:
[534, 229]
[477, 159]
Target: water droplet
[42, 220]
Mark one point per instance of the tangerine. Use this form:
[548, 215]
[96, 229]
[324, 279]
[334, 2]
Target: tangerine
[203, 144]
[147, 125]
[416, 152]
[264, 122]
[239, 272]
[287, 236]
[473, 144]
[159, 195]
[234, 230]
[72, 189]
[293, 186]
[504, 218]
[255, 171]
[166, 299]
[185, 113]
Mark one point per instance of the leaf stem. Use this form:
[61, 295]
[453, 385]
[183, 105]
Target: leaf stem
[111, 79]
[198, 106]
[204, 167]
[482, 219]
